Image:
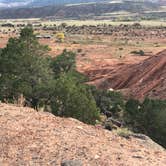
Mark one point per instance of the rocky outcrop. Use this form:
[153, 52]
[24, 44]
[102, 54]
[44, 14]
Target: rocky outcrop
[35, 138]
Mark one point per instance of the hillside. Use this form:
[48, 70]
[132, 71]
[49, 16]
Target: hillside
[35, 3]
[37, 138]
[147, 78]
[76, 11]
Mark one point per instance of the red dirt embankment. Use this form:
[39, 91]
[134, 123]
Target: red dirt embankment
[35, 138]
[147, 78]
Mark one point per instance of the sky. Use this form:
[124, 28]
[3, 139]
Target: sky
[16, 3]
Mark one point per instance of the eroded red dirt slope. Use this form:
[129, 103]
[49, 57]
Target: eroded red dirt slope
[147, 78]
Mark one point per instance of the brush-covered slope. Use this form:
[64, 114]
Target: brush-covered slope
[35, 138]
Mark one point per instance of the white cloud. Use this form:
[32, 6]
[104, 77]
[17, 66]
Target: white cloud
[14, 4]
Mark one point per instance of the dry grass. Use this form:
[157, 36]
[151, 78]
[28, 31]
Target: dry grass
[96, 22]
[85, 22]
[123, 132]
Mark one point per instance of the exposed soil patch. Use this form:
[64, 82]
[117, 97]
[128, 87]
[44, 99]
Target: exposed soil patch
[28, 137]
[147, 78]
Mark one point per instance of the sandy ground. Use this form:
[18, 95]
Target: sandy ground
[35, 138]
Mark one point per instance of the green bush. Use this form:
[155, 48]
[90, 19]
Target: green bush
[64, 63]
[147, 117]
[24, 69]
[74, 100]
[140, 52]
[108, 101]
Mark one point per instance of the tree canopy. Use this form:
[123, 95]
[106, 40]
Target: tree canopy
[147, 117]
[25, 69]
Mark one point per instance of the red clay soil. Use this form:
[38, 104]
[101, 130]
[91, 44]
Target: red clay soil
[30, 138]
[147, 78]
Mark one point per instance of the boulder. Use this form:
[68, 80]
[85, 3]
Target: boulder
[72, 163]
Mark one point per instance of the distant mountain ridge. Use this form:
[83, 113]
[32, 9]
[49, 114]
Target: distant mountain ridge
[35, 3]
[81, 10]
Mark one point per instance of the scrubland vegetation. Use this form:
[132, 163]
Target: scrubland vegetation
[55, 85]
[147, 117]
